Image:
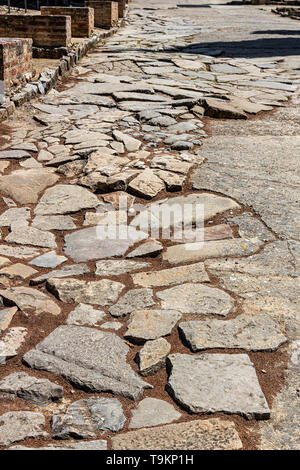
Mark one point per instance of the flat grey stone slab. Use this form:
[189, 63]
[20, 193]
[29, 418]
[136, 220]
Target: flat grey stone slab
[53, 222]
[8, 154]
[23, 235]
[250, 332]
[134, 299]
[65, 198]
[166, 277]
[74, 352]
[32, 299]
[153, 412]
[197, 299]
[152, 356]
[85, 314]
[103, 292]
[19, 425]
[144, 325]
[65, 271]
[93, 243]
[48, 260]
[211, 383]
[208, 434]
[84, 418]
[117, 267]
[39, 391]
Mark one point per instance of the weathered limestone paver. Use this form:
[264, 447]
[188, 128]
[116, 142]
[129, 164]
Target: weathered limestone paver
[19, 425]
[28, 298]
[143, 416]
[209, 434]
[74, 351]
[144, 325]
[209, 383]
[152, 356]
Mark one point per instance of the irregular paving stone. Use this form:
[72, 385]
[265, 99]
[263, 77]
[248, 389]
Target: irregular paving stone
[48, 260]
[117, 267]
[14, 154]
[19, 425]
[211, 383]
[265, 281]
[169, 213]
[27, 298]
[19, 251]
[152, 356]
[6, 316]
[15, 213]
[199, 251]
[134, 299]
[30, 236]
[169, 163]
[104, 292]
[16, 271]
[84, 418]
[223, 109]
[166, 277]
[11, 342]
[145, 325]
[24, 186]
[131, 144]
[65, 198]
[146, 184]
[112, 325]
[85, 315]
[143, 416]
[208, 434]
[39, 391]
[53, 222]
[74, 352]
[148, 248]
[215, 232]
[85, 445]
[173, 181]
[65, 271]
[253, 333]
[197, 299]
[96, 242]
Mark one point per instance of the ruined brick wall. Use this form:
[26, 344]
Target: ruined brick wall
[45, 31]
[106, 13]
[15, 60]
[82, 19]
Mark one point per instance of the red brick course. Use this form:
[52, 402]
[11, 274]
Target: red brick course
[82, 19]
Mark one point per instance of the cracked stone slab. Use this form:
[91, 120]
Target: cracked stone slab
[199, 251]
[211, 383]
[146, 184]
[143, 416]
[145, 325]
[39, 391]
[197, 299]
[84, 418]
[23, 235]
[65, 198]
[29, 298]
[103, 292]
[134, 299]
[209, 434]
[15, 213]
[96, 242]
[166, 277]
[131, 144]
[74, 351]
[85, 314]
[250, 332]
[6, 316]
[152, 356]
[20, 425]
[117, 267]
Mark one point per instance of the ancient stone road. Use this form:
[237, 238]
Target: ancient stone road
[150, 339]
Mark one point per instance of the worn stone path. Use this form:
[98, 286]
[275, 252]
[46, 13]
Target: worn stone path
[118, 330]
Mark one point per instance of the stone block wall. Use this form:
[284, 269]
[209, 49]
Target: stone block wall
[45, 31]
[106, 13]
[82, 19]
[15, 60]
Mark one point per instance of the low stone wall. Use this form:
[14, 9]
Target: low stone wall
[82, 19]
[106, 14]
[45, 31]
[15, 60]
